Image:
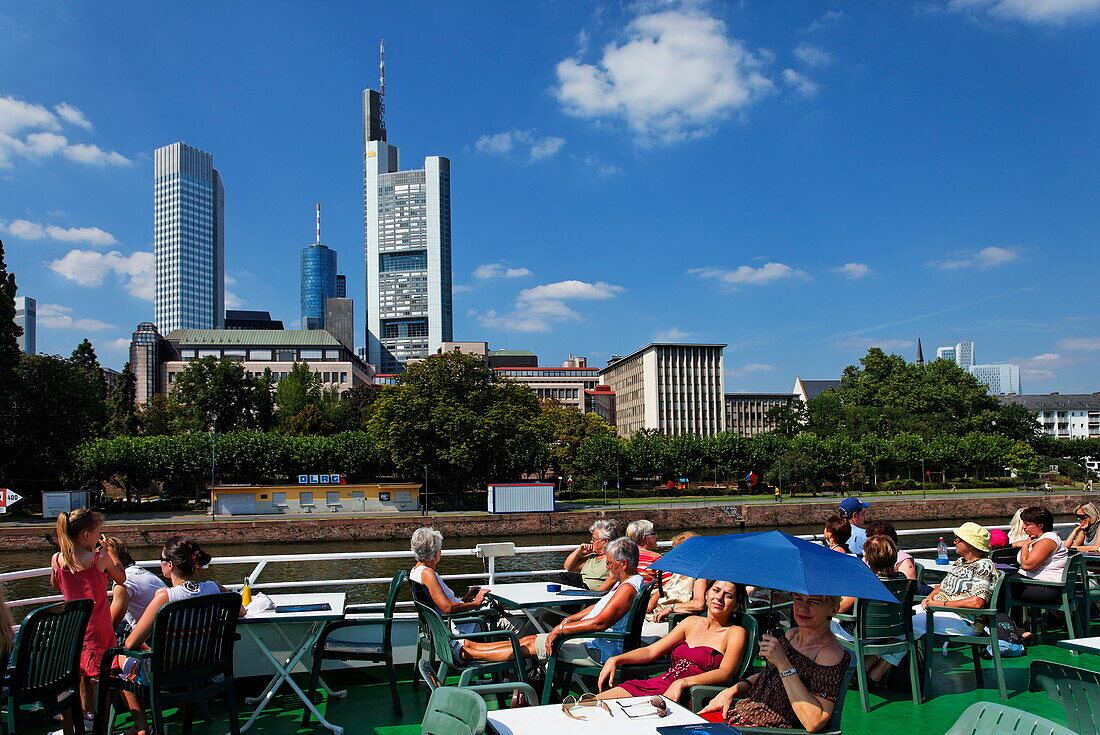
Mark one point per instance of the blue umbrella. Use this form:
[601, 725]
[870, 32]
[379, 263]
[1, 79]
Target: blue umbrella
[777, 561]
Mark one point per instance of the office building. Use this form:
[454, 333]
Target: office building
[962, 354]
[945, 353]
[564, 384]
[341, 286]
[188, 239]
[340, 320]
[517, 359]
[157, 360]
[26, 317]
[1001, 377]
[241, 319]
[807, 390]
[672, 388]
[407, 216]
[747, 413]
[318, 280]
[1070, 416]
[600, 401]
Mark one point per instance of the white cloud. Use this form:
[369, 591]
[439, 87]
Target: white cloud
[91, 268]
[674, 76]
[989, 257]
[670, 335]
[537, 309]
[853, 271]
[56, 316]
[1080, 343]
[460, 288]
[26, 230]
[499, 270]
[1039, 12]
[813, 56]
[1043, 366]
[534, 147]
[72, 115]
[747, 275]
[120, 345]
[40, 129]
[601, 168]
[800, 83]
[752, 367]
[866, 343]
[829, 19]
[233, 301]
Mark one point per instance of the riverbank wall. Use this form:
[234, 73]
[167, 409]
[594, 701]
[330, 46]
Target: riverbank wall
[283, 533]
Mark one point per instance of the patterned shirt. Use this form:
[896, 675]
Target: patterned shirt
[968, 579]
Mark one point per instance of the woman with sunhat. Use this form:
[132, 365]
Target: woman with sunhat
[968, 585]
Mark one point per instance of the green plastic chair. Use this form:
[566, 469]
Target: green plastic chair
[1074, 578]
[985, 615]
[1088, 595]
[1077, 690]
[700, 695]
[441, 637]
[454, 711]
[424, 647]
[190, 661]
[44, 679]
[631, 637]
[379, 649]
[992, 718]
[885, 627]
[502, 689]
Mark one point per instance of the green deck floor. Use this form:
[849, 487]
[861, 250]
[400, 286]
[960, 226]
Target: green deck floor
[367, 707]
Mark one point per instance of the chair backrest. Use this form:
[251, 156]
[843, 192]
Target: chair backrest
[1080, 701]
[992, 718]
[454, 711]
[752, 634]
[47, 651]
[438, 632]
[391, 605]
[636, 617]
[1040, 670]
[193, 639]
[833, 725]
[1005, 556]
[877, 619]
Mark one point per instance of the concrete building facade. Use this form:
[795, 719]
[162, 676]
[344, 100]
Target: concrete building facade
[1069, 416]
[340, 320]
[188, 239]
[671, 388]
[746, 413]
[566, 385]
[26, 317]
[1001, 377]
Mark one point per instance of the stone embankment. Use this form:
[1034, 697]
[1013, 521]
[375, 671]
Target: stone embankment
[283, 533]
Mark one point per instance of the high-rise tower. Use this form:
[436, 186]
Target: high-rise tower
[318, 280]
[188, 239]
[407, 218]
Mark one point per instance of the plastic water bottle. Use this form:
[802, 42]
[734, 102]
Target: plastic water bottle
[941, 552]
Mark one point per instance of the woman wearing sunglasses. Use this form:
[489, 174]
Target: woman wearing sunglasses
[1084, 536]
[1042, 557]
[968, 585]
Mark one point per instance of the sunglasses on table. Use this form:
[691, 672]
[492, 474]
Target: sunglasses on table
[585, 700]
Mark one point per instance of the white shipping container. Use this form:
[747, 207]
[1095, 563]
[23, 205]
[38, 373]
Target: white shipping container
[531, 497]
[55, 503]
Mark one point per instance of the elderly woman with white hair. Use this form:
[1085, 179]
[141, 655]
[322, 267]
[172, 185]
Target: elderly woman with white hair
[609, 614]
[644, 534]
[427, 548]
[588, 559]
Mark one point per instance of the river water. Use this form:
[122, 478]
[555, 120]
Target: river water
[367, 568]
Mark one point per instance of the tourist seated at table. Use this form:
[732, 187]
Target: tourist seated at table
[704, 650]
[588, 561]
[1042, 557]
[881, 555]
[677, 593]
[904, 563]
[837, 532]
[609, 614]
[427, 549]
[181, 561]
[1016, 532]
[644, 534]
[1084, 536]
[801, 682]
[968, 583]
[129, 599]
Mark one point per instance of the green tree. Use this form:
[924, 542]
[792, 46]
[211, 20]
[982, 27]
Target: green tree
[159, 416]
[299, 389]
[648, 453]
[265, 400]
[1023, 460]
[355, 407]
[9, 363]
[455, 415]
[601, 459]
[212, 392]
[564, 429]
[122, 413]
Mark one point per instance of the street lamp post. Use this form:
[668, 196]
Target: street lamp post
[923, 477]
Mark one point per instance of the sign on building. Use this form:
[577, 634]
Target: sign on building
[7, 499]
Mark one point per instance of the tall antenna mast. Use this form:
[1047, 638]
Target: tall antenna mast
[318, 223]
[382, 87]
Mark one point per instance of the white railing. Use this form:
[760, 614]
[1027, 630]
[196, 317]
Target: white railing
[262, 562]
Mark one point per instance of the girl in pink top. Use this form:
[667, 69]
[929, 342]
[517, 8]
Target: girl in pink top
[80, 571]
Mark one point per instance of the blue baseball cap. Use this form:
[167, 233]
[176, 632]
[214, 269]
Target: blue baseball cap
[851, 506]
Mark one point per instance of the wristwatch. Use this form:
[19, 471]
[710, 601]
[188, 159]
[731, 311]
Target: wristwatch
[789, 672]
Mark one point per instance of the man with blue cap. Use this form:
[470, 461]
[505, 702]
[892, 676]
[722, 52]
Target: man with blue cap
[855, 510]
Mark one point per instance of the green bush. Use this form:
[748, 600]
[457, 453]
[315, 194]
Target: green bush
[893, 486]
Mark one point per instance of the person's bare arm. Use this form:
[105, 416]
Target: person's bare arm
[847, 604]
[909, 568]
[607, 584]
[736, 644]
[113, 569]
[643, 655]
[120, 600]
[812, 711]
[577, 558]
[1034, 556]
[144, 627]
[444, 603]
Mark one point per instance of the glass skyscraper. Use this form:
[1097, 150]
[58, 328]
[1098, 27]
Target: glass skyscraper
[188, 239]
[318, 284]
[407, 217]
[26, 316]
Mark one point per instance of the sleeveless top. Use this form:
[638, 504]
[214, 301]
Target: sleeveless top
[142, 585]
[417, 575]
[609, 648]
[767, 704]
[89, 584]
[686, 661]
[187, 590]
[1051, 569]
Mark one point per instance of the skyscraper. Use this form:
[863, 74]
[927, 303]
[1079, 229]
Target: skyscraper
[188, 239]
[318, 280]
[964, 354]
[1001, 377]
[407, 217]
[26, 316]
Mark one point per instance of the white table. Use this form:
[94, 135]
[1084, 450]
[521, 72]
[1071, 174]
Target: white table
[930, 565]
[254, 625]
[1083, 645]
[551, 719]
[526, 596]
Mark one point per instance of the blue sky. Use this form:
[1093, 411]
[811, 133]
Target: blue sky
[800, 180]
